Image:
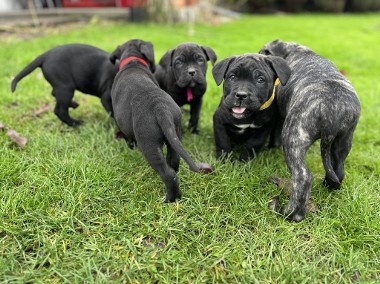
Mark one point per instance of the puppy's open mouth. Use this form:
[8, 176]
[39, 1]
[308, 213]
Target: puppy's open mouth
[238, 109]
[238, 112]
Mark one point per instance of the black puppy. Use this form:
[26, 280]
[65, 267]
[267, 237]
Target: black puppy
[74, 67]
[247, 112]
[182, 74]
[317, 103]
[147, 115]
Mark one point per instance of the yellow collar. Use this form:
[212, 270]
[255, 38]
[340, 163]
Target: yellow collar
[270, 100]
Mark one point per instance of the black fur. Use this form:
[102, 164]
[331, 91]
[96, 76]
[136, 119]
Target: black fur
[248, 83]
[74, 67]
[148, 116]
[185, 67]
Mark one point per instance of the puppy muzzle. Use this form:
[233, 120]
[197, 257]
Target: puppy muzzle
[239, 103]
[190, 78]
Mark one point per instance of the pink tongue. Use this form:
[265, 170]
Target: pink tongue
[189, 94]
[238, 109]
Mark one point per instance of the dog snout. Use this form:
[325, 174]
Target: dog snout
[241, 95]
[191, 71]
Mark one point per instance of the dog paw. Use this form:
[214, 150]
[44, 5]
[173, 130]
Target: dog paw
[75, 122]
[244, 156]
[331, 184]
[294, 215]
[131, 144]
[74, 104]
[274, 204]
[205, 168]
[170, 198]
[195, 131]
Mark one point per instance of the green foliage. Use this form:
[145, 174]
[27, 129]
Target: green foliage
[78, 206]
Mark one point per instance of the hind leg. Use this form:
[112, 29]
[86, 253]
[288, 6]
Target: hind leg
[172, 158]
[295, 150]
[339, 152]
[64, 101]
[74, 104]
[107, 103]
[155, 158]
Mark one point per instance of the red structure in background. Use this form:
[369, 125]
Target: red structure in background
[119, 3]
[103, 3]
[130, 3]
[88, 3]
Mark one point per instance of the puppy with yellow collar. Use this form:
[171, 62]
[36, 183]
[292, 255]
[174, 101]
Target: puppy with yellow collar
[247, 111]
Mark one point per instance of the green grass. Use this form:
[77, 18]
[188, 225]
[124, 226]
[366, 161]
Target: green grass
[78, 206]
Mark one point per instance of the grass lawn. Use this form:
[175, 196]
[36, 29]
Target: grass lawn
[78, 206]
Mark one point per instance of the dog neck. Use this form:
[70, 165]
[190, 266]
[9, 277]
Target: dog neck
[132, 58]
[271, 99]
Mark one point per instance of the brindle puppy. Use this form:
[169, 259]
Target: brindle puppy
[318, 102]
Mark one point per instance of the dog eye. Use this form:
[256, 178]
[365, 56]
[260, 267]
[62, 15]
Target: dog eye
[260, 80]
[200, 61]
[232, 77]
[178, 62]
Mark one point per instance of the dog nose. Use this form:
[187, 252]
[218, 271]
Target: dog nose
[191, 71]
[241, 95]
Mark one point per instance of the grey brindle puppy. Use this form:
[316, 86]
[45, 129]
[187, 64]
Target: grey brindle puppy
[181, 73]
[317, 102]
[148, 116]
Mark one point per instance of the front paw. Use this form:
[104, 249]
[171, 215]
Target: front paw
[195, 130]
[131, 144]
[246, 155]
[172, 197]
[293, 214]
[74, 122]
[223, 155]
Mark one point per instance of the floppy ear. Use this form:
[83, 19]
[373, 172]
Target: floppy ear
[280, 67]
[220, 69]
[166, 60]
[116, 54]
[276, 48]
[146, 49]
[210, 54]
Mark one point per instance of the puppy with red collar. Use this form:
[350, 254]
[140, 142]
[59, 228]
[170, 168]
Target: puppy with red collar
[247, 112]
[148, 116]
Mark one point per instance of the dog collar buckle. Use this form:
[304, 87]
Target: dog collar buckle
[132, 58]
[271, 99]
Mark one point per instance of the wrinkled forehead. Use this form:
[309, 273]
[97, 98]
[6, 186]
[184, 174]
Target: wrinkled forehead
[188, 50]
[249, 62]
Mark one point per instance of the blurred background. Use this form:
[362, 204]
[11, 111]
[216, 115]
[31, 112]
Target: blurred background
[17, 12]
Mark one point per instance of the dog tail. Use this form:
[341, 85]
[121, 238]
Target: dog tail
[326, 142]
[172, 138]
[27, 70]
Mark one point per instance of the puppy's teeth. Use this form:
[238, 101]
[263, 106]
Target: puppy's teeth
[238, 109]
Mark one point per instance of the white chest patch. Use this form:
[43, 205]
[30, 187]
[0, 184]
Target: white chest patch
[244, 127]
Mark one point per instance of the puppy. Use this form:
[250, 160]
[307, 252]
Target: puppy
[247, 111]
[74, 67]
[147, 115]
[316, 103]
[182, 73]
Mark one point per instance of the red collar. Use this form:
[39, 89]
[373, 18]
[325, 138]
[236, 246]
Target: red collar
[131, 58]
